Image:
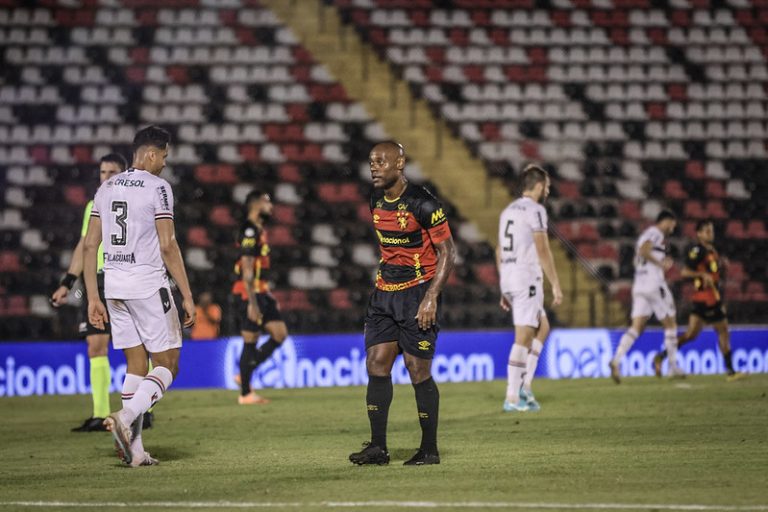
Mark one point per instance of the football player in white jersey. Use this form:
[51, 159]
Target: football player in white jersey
[133, 216]
[522, 252]
[650, 293]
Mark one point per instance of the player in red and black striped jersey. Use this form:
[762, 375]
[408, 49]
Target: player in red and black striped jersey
[417, 255]
[258, 309]
[703, 265]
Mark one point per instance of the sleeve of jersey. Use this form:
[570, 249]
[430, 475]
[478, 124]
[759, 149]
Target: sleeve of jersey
[538, 219]
[163, 202]
[95, 205]
[433, 219]
[87, 217]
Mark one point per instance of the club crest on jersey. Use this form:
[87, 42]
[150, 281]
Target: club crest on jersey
[402, 219]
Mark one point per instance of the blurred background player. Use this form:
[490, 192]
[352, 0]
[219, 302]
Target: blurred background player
[133, 215]
[703, 265]
[258, 309]
[521, 254]
[417, 256]
[208, 318]
[650, 293]
[97, 339]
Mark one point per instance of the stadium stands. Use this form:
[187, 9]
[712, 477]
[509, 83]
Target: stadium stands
[248, 106]
[631, 104]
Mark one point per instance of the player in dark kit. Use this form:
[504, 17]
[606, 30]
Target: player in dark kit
[703, 265]
[259, 310]
[417, 256]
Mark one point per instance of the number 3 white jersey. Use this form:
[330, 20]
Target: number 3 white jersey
[647, 275]
[519, 266]
[128, 205]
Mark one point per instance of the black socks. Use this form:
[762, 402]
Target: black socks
[728, 363]
[378, 398]
[250, 359]
[428, 403]
[265, 351]
[247, 365]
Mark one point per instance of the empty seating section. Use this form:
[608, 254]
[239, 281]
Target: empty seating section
[631, 104]
[248, 107]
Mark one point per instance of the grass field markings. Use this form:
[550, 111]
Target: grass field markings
[393, 504]
[683, 385]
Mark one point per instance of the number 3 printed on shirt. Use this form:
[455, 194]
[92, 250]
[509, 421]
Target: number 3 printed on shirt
[121, 209]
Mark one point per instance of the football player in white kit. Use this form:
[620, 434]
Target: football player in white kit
[133, 215]
[522, 252]
[650, 293]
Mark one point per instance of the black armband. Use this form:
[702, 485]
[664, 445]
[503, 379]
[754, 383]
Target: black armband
[68, 280]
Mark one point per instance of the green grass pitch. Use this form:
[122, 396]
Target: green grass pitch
[700, 441]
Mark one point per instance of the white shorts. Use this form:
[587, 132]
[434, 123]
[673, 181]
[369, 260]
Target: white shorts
[153, 322]
[527, 305]
[658, 302]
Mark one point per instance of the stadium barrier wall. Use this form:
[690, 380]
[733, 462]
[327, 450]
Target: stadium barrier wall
[37, 368]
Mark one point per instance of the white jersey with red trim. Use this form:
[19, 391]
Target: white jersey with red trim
[519, 265]
[128, 205]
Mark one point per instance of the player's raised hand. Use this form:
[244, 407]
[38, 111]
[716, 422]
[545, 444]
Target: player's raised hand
[59, 297]
[504, 303]
[189, 312]
[707, 281]
[97, 314]
[557, 296]
[427, 314]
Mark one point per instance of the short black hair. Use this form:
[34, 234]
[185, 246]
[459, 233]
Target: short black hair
[253, 196]
[665, 214]
[151, 136]
[532, 174]
[115, 158]
[703, 222]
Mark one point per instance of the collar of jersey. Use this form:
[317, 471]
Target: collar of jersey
[398, 197]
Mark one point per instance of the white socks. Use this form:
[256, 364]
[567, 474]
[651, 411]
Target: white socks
[625, 343]
[670, 343]
[130, 385]
[531, 362]
[515, 372]
[150, 390]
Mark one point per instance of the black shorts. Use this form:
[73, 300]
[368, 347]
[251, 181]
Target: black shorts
[710, 314]
[270, 312]
[391, 316]
[86, 328]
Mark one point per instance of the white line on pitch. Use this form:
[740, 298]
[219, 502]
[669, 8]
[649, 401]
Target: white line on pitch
[391, 504]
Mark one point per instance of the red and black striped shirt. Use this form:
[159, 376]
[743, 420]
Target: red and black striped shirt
[252, 241]
[407, 228]
[702, 259]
